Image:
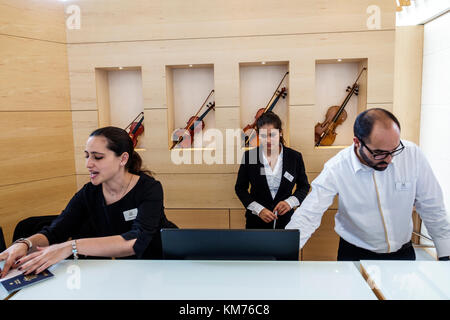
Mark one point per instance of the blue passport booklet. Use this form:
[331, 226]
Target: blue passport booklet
[21, 281]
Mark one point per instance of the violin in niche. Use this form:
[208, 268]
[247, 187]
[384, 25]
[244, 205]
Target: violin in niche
[136, 128]
[184, 137]
[250, 137]
[325, 132]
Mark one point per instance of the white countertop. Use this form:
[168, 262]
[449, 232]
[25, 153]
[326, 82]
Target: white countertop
[409, 280]
[201, 280]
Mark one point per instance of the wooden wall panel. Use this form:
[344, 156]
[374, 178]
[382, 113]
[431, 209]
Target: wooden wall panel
[226, 77]
[103, 20]
[152, 56]
[23, 200]
[199, 218]
[301, 124]
[159, 161]
[323, 244]
[408, 80]
[237, 218]
[34, 75]
[154, 78]
[156, 132]
[199, 190]
[103, 105]
[37, 19]
[37, 163]
[82, 179]
[36, 145]
[83, 122]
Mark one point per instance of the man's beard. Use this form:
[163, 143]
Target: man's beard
[370, 162]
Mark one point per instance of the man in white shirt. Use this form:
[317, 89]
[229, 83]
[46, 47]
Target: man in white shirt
[379, 179]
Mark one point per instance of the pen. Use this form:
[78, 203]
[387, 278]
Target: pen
[275, 220]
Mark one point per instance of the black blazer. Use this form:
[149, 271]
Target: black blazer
[250, 173]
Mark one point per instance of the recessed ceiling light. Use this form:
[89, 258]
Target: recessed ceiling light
[190, 66]
[339, 60]
[263, 62]
[120, 68]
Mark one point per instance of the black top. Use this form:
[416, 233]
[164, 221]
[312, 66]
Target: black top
[251, 172]
[87, 210]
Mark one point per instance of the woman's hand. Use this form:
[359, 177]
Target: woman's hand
[267, 215]
[11, 255]
[44, 257]
[282, 207]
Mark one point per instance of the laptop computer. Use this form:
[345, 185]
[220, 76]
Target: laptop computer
[230, 244]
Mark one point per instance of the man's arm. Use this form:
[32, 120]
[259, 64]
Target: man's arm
[430, 206]
[308, 216]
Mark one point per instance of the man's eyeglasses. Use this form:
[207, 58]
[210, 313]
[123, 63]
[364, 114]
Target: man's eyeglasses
[384, 154]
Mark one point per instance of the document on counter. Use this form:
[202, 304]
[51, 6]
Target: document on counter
[16, 280]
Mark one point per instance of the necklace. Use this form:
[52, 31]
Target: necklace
[129, 182]
[124, 190]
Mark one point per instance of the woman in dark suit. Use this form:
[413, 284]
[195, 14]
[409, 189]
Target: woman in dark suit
[272, 170]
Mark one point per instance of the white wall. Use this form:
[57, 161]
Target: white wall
[191, 87]
[258, 84]
[435, 112]
[125, 96]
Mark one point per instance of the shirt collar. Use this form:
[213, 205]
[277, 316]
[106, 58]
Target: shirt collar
[356, 163]
[266, 162]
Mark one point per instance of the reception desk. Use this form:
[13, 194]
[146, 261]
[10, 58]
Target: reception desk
[200, 280]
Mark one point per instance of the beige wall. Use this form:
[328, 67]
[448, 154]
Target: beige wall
[36, 142]
[152, 35]
[408, 80]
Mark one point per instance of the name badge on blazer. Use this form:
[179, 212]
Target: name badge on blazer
[130, 214]
[402, 186]
[288, 176]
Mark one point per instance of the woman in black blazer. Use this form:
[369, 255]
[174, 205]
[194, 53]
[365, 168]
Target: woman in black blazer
[272, 170]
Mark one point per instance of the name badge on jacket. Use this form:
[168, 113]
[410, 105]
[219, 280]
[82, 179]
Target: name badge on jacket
[130, 214]
[288, 176]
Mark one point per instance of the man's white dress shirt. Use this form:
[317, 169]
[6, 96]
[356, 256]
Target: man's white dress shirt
[375, 207]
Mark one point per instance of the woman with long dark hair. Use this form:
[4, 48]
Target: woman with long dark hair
[272, 170]
[122, 207]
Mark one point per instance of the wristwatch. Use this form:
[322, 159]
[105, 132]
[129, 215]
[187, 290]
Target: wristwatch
[26, 241]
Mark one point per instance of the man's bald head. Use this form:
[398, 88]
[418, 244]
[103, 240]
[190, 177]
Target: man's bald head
[366, 121]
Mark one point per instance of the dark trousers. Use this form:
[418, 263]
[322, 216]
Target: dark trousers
[350, 252]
